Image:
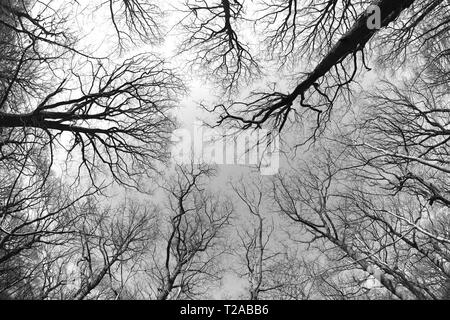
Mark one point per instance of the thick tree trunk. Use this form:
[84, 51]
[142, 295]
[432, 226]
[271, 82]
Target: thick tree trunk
[357, 37]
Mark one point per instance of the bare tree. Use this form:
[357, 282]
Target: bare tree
[109, 246]
[115, 116]
[374, 231]
[120, 120]
[213, 40]
[257, 255]
[186, 261]
[340, 32]
[35, 219]
[407, 137]
[135, 19]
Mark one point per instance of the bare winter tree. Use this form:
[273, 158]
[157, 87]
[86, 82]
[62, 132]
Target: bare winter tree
[212, 38]
[111, 245]
[186, 262]
[274, 259]
[256, 256]
[135, 19]
[35, 219]
[116, 116]
[128, 108]
[336, 37]
[372, 230]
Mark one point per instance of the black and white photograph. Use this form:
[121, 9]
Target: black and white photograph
[224, 154]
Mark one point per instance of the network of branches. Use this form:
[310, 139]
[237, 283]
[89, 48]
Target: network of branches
[93, 207]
